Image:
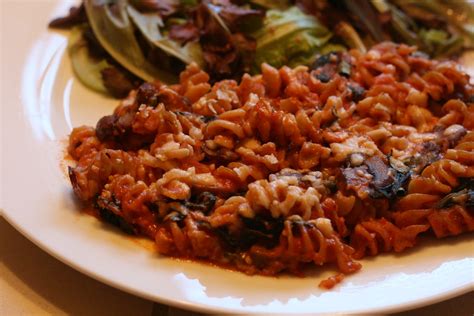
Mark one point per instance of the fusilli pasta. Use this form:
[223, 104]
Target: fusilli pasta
[292, 167]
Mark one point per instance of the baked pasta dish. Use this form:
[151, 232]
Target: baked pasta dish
[357, 155]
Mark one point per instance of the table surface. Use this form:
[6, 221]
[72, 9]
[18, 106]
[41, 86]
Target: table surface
[34, 283]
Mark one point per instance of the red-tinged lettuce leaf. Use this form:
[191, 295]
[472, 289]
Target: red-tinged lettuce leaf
[184, 33]
[246, 46]
[226, 54]
[240, 19]
[311, 6]
[149, 25]
[76, 16]
[118, 83]
[163, 7]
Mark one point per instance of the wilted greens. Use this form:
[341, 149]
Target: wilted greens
[116, 44]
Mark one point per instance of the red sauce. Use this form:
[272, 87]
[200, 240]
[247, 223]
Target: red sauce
[331, 282]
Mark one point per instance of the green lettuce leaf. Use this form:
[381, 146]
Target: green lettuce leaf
[439, 43]
[289, 37]
[87, 69]
[149, 25]
[115, 32]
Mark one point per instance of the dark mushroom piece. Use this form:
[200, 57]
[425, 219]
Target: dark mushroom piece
[388, 180]
[203, 202]
[109, 212]
[462, 195]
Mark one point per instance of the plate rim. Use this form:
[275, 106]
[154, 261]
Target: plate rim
[410, 305]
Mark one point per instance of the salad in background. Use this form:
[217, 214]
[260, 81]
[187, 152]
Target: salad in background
[114, 45]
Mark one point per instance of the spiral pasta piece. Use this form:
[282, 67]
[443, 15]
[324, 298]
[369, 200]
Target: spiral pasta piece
[445, 222]
[93, 171]
[375, 236]
[307, 241]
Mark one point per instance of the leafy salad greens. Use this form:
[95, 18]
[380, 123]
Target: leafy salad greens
[114, 45]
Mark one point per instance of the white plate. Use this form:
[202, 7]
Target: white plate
[40, 104]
